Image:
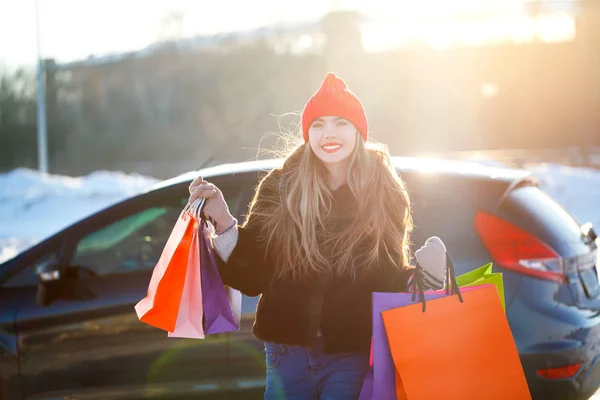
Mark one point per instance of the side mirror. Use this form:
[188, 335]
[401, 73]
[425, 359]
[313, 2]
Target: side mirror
[49, 283]
[49, 272]
[61, 281]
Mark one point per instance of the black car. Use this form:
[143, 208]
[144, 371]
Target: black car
[68, 329]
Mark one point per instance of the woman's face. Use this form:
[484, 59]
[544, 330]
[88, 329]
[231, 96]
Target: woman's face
[332, 139]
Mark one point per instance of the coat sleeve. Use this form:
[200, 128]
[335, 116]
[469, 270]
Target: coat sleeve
[389, 276]
[433, 276]
[249, 268]
[401, 278]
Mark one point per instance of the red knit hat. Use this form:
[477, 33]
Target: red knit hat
[334, 98]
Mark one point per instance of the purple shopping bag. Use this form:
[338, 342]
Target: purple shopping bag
[366, 392]
[382, 375]
[221, 305]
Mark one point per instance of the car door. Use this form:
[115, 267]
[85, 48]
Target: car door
[10, 385]
[89, 343]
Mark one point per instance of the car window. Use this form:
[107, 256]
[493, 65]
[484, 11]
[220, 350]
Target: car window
[132, 243]
[129, 244]
[438, 211]
[535, 211]
[136, 241]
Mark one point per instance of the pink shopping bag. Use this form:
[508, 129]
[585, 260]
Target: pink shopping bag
[189, 319]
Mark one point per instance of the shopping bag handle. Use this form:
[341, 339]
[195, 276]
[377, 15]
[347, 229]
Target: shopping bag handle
[451, 286]
[196, 208]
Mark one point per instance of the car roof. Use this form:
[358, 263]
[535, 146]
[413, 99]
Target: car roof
[404, 165]
[407, 166]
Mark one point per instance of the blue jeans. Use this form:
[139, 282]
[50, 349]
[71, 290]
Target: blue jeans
[298, 373]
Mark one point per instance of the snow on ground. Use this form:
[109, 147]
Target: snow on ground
[33, 206]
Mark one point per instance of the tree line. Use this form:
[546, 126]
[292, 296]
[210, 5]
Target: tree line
[178, 109]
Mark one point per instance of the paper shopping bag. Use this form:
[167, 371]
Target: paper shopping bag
[384, 372]
[481, 276]
[189, 318]
[222, 305]
[456, 350]
[366, 391]
[160, 307]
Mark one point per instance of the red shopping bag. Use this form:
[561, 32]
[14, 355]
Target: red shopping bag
[160, 307]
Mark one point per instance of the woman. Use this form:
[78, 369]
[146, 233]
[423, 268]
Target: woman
[323, 232]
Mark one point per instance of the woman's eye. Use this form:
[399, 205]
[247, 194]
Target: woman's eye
[342, 122]
[317, 125]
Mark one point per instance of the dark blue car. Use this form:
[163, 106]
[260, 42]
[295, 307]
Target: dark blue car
[68, 328]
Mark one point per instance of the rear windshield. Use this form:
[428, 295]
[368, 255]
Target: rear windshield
[534, 211]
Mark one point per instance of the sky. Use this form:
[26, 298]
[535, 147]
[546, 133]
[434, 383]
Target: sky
[74, 29]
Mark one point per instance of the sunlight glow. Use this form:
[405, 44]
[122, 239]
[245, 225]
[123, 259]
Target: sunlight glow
[111, 26]
[442, 33]
[489, 89]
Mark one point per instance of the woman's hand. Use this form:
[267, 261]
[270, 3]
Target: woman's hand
[215, 208]
[432, 260]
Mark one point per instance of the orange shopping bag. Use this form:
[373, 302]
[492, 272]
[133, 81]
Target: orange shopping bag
[160, 307]
[189, 318]
[455, 350]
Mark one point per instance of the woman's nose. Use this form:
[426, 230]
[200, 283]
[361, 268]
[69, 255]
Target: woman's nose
[330, 131]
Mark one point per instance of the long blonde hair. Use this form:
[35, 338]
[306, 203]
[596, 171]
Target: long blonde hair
[293, 219]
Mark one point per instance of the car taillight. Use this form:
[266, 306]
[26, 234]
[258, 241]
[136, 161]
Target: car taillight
[559, 372]
[513, 248]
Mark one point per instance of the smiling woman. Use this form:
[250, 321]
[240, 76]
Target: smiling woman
[323, 232]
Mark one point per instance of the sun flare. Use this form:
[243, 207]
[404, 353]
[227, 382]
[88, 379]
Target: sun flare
[442, 24]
